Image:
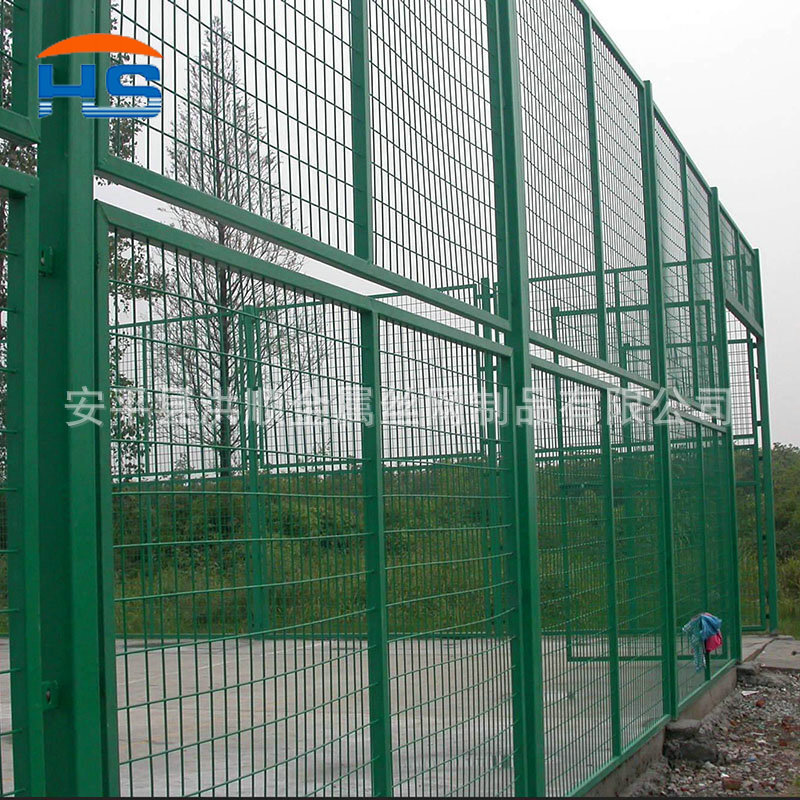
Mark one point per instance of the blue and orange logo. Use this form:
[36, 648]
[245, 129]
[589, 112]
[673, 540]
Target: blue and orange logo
[85, 90]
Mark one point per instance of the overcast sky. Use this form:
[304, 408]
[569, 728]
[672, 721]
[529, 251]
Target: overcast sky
[726, 74]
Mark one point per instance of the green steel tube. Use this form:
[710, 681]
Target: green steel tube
[256, 562]
[755, 456]
[375, 558]
[597, 190]
[725, 381]
[766, 467]
[562, 503]
[514, 303]
[703, 527]
[493, 572]
[23, 505]
[107, 666]
[75, 540]
[611, 576]
[687, 223]
[661, 433]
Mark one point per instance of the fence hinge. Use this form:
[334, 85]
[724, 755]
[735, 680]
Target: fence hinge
[49, 695]
[46, 261]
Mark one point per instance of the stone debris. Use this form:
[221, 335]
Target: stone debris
[751, 742]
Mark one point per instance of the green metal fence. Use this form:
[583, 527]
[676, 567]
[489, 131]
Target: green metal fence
[409, 330]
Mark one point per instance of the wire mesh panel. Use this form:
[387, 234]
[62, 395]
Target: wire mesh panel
[730, 255]
[623, 214]
[558, 193]
[677, 304]
[689, 544]
[640, 568]
[750, 500]
[256, 107]
[719, 561]
[7, 487]
[705, 338]
[573, 550]
[431, 140]
[239, 529]
[320, 498]
[449, 554]
[20, 37]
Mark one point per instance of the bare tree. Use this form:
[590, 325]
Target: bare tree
[221, 149]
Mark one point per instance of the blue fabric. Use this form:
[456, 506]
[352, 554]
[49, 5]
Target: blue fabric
[697, 630]
[693, 630]
[710, 625]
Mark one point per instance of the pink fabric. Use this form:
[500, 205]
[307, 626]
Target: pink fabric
[713, 642]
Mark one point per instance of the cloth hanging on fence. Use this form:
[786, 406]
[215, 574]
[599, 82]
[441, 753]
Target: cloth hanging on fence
[703, 633]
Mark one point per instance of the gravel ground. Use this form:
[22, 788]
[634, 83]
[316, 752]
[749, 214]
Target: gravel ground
[756, 731]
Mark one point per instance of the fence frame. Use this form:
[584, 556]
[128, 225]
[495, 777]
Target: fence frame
[66, 571]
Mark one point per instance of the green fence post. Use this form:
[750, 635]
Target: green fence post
[703, 526]
[372, 444]
[766, 465]
[563, 501]
[725, 381]
[363, 211]
[755, 457]
[75, 612]
[661, 433]
[22, 545]
[602, 340]
[687, 224]
[493, 572]
[375, 556]
[256, 551]
[611, 568]
[514, 303]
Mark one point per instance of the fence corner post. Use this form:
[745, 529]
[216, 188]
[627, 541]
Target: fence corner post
[514, 301]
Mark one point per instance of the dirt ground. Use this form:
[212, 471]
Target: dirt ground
[755, 736]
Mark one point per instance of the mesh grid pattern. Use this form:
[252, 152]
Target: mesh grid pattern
[264, 642]
[6, 52]
[622, 209]
[574, 584]
[640, 581]
[558, 191]
[703, 286]
[236, 565]
[677, 311]
[717, 521]
[750, 499]
[449, 579]
[431, 132]
[256, 106]
[690, 551]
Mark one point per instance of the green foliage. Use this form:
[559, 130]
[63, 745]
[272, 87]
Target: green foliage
[786, 477]
[786, 472]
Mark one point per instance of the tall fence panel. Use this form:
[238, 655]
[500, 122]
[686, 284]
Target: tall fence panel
[431, 406]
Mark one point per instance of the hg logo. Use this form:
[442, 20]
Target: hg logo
[102, 43]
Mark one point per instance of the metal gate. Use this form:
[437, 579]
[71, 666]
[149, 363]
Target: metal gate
[365, 425]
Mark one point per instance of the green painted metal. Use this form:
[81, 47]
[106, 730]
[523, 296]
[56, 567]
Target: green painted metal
[375, 555]
[70, 459]
[312, 603]
[766, 467]
[19, 114]
[725, 380]
[515, 304]
[662, 434]
[22, 673]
